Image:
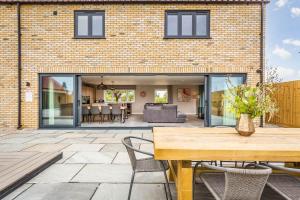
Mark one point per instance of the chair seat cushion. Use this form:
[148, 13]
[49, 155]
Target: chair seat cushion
[286, 185]
[151, 165]
[215, 183]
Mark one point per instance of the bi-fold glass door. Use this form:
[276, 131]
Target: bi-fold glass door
[217, 86]
[57, 100]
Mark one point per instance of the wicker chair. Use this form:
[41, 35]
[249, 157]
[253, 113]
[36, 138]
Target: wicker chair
[286, 185]
[234, 183]
[145, 164]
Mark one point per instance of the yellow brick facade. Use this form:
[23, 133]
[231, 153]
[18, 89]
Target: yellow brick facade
[8, 66]
[134, 44]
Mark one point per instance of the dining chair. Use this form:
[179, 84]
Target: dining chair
[234, 183]
[85, 113]
[116, 111]
[95, 112]
[145, 164]
[286, 185]
[105, 111]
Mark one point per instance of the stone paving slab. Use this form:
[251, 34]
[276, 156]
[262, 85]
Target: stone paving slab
[122, 158]
[59, 191]
[139, 192]
[83, 140]
[46, 140]
[107, 141]
[117, 147]
[84, 147]
[66, 156]
[120, 135]
[104, 173]
[16, 140]
[102, 135]
[57, 173]
[73, 135]
[17, 192]
[92, 157]
[47, 147]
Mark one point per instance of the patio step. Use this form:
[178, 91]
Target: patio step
[16, 168]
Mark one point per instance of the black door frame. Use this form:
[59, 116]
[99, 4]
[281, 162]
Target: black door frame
[207, 86]
[41, 125]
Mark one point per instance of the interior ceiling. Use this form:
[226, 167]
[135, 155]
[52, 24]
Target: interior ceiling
[144, 80]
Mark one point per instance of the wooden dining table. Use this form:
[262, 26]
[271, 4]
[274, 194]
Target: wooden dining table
[181, 146]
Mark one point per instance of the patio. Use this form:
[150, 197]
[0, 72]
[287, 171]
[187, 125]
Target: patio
[95, 165]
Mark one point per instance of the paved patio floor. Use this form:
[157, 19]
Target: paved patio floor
[95, 166]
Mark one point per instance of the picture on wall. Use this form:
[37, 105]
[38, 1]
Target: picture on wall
[184, 94]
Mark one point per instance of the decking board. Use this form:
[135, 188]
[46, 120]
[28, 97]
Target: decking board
[17, 168]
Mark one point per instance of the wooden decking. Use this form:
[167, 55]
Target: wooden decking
[16, 168]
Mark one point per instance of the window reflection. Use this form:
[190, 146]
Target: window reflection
[57, 101]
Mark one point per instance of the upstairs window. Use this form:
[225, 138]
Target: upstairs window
[89, 24]
[187, 24]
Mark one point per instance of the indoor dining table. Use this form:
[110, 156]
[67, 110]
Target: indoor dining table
[181, 146]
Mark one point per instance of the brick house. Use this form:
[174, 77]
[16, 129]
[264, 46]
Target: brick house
[57, 55]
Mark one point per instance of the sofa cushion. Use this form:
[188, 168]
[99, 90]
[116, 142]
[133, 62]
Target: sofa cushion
[169, 107]
[154, 107]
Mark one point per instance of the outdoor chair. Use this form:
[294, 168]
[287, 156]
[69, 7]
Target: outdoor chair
[286, 185]
[105, 112]
[85, 114]
[234, 183]
[116, 111]
[145, 164]
[95, 112]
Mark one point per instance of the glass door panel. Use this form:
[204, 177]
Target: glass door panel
[219, 114]
[57, 101]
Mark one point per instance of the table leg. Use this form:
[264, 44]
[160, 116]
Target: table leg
[184, 180]
[122, 116]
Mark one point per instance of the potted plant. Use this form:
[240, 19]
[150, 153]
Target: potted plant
[248, 102]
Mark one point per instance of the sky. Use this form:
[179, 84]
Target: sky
[283, 38]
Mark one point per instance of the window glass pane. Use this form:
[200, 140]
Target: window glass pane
[220, 115]
[201, 25]
[131, 96]
[82, 26]
[57, 101]
[108, 96]
[97, 25]
[161, 96]
[172, 29]
[187, 25]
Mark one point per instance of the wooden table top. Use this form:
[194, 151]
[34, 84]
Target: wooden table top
[266, 144]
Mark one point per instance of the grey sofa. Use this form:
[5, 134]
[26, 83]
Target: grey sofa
[162, 113]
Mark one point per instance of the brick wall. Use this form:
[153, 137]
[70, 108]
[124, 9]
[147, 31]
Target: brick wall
[8, 66]
[134, 44]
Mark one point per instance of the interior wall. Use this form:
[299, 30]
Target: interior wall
[189, 107]
[138, 105]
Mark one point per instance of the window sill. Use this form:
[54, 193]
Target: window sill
[168, 37]
[89, 37]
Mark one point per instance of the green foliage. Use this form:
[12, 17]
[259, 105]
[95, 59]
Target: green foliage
[119, 96]
[255, 101]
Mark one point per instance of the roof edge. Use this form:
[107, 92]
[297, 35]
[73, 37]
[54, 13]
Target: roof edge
[139, 1]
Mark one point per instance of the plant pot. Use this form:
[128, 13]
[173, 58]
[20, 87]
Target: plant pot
[245, 125]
